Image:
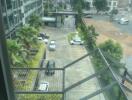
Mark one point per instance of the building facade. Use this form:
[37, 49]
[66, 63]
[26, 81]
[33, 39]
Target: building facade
[17, 12]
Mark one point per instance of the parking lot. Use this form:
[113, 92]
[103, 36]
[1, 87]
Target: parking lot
[64, 54]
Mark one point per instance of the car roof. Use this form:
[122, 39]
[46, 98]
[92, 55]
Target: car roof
[52, 41]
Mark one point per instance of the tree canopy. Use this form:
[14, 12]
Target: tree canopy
[113, 49]
[100, 5]
[35, 21]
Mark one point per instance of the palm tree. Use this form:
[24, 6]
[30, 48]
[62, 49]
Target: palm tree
[16, 54]
[27, 36]
[35, 21]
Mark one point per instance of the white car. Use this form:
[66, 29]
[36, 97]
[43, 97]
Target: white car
[123, 21]
[52, 45]
[76, 41]
[43, 86]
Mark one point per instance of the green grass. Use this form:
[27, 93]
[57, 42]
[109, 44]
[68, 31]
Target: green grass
[37, 58]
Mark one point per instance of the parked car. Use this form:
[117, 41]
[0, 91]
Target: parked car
[49, 68]
[43, 86]
[43, 35]
[123, 21]
[76, 41]
[52, 45]
[88, 16]
[45, 40]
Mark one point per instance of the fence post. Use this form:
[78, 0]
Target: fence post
[63, 84]
[124, 75]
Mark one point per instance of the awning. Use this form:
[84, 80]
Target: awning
[48, 19]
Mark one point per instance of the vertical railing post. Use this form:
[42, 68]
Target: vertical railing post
[124, 76]
[63, 84]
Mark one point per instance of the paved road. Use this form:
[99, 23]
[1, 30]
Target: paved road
[63, 55]
[123, 28]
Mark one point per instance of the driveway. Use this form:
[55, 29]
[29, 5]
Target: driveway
[64, 54]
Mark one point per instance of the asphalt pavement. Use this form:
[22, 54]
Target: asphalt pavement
[64, 54]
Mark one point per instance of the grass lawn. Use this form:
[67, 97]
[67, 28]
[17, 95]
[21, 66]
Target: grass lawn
[70, 36]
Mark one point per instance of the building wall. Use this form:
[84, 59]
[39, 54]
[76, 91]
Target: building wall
[17, 12]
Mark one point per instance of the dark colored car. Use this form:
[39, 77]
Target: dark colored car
[43, 35]
[50, 68]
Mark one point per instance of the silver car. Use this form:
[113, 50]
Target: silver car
[52, 45]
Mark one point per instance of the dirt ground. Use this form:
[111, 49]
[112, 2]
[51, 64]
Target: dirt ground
[109, 31]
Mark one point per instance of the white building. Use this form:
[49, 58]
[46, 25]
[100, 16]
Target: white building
[112, 4]
[90, 2]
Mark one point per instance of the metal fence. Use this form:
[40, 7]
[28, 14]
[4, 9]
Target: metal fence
[27, 82]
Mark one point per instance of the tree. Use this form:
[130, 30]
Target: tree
[91, 37]
[87, 5]
[35, 21]
[113, 13]
[113, 49]
[27, 36]
[78, 5]
[100, 5]
[16, 54]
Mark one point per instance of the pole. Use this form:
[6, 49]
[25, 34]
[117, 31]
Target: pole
[6, 86]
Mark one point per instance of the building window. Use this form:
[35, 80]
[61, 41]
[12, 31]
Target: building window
[115, 4]
[8, 3]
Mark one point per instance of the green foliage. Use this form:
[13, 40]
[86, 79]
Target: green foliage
[70, 36]
[113, 49]
[31, 75]
[27, 36]
[19, 48]
[113, 13]
[100, 5]
[78, 6]
[35, 21]
[16, 53]
[87, 5]
[37, 58]
[89, 35]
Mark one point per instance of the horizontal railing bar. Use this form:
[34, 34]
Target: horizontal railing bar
[75, 61]
[15, 68]
[38, 92]
[99, 91]
[130, 76]
[86, 79]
